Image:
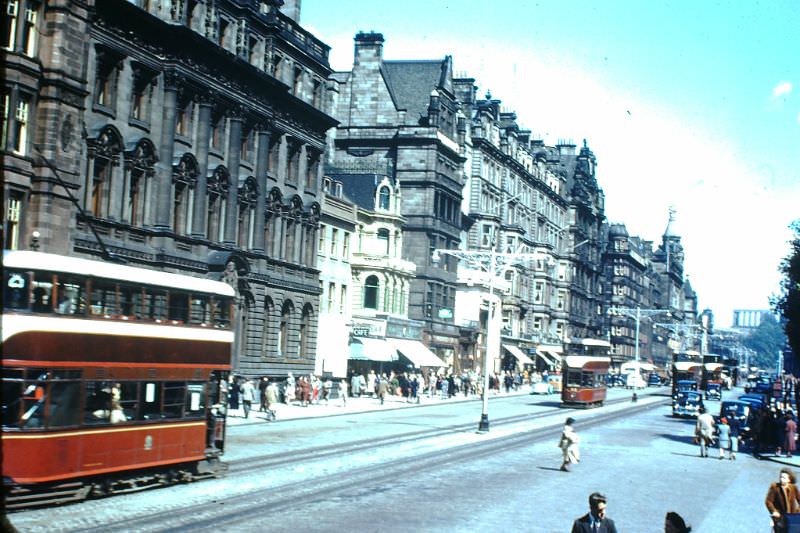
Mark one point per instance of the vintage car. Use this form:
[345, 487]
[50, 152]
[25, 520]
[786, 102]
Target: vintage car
[654, 380]
[687, 404]
[739, 410]
[713, 391]
[541, 387]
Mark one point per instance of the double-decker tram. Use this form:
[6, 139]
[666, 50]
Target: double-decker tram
[114, 377]
[687, 368]
[584, 380]
[712, 371]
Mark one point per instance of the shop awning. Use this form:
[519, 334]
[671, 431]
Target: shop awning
[516, 352]
[550, 353]
[546, 357]
[416, 352]
[367, 349]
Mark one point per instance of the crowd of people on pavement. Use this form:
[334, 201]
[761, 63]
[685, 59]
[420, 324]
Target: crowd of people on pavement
[245, 394]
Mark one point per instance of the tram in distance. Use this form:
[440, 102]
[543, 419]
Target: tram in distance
[686, 367]
[114, 377]
[584, 380]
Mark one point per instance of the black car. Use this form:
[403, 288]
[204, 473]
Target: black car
[687, 403]
[654, 380]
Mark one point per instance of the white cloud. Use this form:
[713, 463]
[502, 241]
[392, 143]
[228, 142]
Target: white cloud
[782, 88]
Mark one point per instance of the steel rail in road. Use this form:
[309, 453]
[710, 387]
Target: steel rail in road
[333, 450]
[231, 510]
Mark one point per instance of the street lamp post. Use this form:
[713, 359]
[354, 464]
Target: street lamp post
[494, 264]
[636, 313]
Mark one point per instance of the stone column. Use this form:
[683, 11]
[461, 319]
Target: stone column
[259, 243]
[163, 188]
[205, 105]
[233, 158]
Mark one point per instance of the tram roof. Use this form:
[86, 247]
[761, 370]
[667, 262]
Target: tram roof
[687, 365]
[586, 361]
[99, 269]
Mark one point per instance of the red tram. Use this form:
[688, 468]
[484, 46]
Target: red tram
[584, 380]
[113, 377]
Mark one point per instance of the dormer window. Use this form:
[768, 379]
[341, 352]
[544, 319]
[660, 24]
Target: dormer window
[383, 198]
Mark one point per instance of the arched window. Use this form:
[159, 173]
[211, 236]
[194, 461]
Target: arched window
[139, 171]
[217, 189]
[248, 196]
[303, 335]
[104, 154]
[269, 309]
[283, 329]
[383, 198]
[383, 239]
[184, 179]
[371, 287]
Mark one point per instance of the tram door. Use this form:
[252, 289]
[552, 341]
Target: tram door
[217, 409]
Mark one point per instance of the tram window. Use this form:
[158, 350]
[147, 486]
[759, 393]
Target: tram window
[131, 302]
[174, 398]
[155, 304]
[12, 396]
[179, 306]
[97, 409]
[42, 292]
[195, 400]
[199, 310]
[129, 399]
[64, 404]
[587, 379]
[34, 400]
[71, 297]
[104, 298]
[15, 289]
[221, 312]
[574, 378]
[151, 402]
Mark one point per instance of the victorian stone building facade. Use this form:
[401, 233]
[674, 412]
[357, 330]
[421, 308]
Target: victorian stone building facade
[398, 119]
[190, 135]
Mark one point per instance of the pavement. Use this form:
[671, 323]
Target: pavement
[366, 403]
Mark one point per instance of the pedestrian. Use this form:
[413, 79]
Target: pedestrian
[674, 523]
[343, 392]
[383, 388]
[327, 385]
[272, 399]
[262, 394]
[782, 498]
[736, 430]
[789, 434]
[595, 521]
[248, 396]
[355, 385]
[291, 389]
[724, 437]
[233, 395]
[704, 431]
[569, 445]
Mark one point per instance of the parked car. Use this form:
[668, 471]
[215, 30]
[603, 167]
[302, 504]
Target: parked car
[687, 404]
[739, 410]
[615, 380]
[713, 391]
[754, 399]
[654, 380]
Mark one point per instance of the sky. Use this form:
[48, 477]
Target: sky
[691, 104]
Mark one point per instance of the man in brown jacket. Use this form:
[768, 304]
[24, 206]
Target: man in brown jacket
[782, 498]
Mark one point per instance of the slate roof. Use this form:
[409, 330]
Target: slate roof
[411, 83]
[359, 188]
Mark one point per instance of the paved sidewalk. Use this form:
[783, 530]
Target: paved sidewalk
[366, 404]
[361, 404]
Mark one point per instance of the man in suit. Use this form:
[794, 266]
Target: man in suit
[595, 520]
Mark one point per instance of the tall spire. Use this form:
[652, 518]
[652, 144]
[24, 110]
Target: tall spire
[670, 231]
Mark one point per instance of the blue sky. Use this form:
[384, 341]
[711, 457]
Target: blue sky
[692, 104]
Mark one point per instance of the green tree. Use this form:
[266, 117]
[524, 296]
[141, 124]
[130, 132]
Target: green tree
[767, 340]
[788, 303]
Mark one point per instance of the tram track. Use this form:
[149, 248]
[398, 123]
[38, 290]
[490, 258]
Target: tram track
[242, 508]
[374, 443]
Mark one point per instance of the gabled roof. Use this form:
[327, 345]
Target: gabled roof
[360, 188]
[411, 83]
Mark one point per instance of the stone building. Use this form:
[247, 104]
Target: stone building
[185, 136]
[338, 223]
[401, 116]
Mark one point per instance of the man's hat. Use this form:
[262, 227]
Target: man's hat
[570, 421]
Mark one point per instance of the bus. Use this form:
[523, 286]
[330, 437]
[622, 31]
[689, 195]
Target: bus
[114, 377]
